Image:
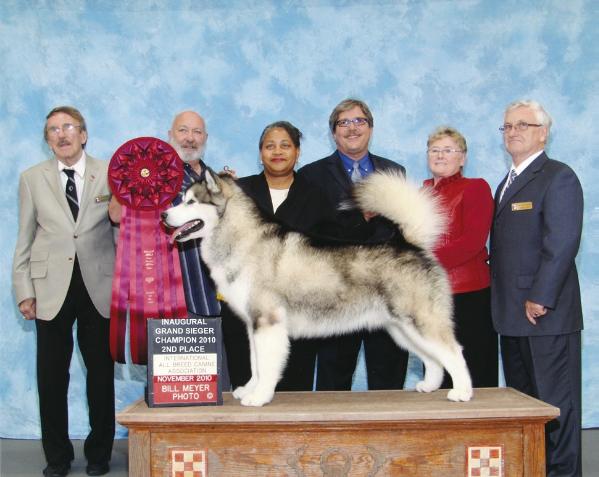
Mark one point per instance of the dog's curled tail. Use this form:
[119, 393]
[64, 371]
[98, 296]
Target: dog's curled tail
[415, 210]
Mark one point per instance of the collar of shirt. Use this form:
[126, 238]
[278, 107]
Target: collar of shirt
[189, 177]
[366, 166]
[78, 167]
[443, 181]
[192, 175]
[523, 165]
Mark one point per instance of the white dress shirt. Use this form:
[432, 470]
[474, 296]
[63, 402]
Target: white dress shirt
[79, 175]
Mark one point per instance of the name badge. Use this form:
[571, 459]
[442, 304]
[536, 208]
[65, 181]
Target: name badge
[102, 198]
[521, 206]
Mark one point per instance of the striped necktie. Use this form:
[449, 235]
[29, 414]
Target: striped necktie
[356, 175]
[510, 179]
[71, 192]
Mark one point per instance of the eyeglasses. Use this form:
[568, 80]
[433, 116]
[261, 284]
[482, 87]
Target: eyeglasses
[66, 128]
[435, 151]
[358, 122]
[519, 126]
[194, 132]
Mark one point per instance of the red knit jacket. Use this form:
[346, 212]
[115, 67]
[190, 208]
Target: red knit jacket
[462, 248]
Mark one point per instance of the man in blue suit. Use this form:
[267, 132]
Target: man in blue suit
[351, 124]
[535, 292]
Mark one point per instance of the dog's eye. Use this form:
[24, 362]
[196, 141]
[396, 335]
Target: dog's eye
[190, 201]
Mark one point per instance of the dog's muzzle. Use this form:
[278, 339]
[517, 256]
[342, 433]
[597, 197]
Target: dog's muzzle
[184, 230]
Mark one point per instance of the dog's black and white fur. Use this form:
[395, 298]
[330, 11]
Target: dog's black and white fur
[284, 284]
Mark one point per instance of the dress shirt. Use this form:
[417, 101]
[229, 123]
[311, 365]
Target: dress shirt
[520, 169]
[366, 166]
[278, 196]
[79, 176]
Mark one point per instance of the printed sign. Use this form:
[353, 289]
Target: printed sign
[184, 362]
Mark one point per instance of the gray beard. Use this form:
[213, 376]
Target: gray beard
[188, 155]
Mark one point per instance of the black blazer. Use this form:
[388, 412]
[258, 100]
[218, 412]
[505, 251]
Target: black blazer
[331, 178]
[301, 210]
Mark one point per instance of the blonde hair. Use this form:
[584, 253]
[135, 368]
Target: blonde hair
[447, 131]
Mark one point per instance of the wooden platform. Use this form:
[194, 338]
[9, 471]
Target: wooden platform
[382, 433]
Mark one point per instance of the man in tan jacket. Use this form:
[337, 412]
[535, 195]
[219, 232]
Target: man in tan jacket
[62, 272]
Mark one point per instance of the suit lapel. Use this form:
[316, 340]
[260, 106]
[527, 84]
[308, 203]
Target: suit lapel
[90, 183]
[335, 165]
[292, 209]
[376, 163]
[520, 182]
[256, 188]
[262, 193]
[498, 193]
[52, 177]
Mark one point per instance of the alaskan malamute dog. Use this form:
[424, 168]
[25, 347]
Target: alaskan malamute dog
[284, 284]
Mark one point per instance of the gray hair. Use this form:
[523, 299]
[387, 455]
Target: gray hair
[539, 112]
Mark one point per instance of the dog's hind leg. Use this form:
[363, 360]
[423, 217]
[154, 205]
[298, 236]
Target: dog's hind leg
[241, 391]
[449, 355]
[433, 372]
[436, 354]
[458, 370]
[271, 344]
[433, 375]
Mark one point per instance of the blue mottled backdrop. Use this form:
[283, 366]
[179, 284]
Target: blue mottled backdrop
[130, 65]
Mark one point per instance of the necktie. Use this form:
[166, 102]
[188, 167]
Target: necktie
[510, 179]
[356, 175]
[71, 192]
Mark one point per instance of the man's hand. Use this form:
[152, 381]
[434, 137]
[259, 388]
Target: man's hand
[231, 172]
[534, 311]
[115, 210]
[27, 308]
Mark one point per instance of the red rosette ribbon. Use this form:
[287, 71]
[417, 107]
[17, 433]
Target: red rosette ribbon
[145, 174]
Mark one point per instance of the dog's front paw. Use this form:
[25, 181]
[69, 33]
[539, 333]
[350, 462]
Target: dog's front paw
[459, 394]
[257, 398]
[240, 392]
[424, 387]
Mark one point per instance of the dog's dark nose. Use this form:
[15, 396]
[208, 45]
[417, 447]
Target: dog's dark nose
[164, 215]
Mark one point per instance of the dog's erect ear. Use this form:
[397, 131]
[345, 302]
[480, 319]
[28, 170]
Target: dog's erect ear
[213, 182]
[219, 189]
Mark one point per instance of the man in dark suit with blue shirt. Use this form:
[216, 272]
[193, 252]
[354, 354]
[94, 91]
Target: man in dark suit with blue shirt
[535, 291]
[351, 125]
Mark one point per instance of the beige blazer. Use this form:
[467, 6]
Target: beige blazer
[49, 238]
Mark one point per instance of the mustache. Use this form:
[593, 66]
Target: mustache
[64, 142]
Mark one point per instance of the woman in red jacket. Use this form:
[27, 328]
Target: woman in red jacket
[463, 253]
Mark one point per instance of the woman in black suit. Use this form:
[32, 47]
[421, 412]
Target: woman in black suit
[288, 198]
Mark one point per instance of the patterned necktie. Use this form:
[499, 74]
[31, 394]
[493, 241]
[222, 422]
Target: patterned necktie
[510, 179]
[71, 192]
[356, 175]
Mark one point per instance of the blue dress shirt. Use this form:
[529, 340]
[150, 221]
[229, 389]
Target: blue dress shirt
[366, 166]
